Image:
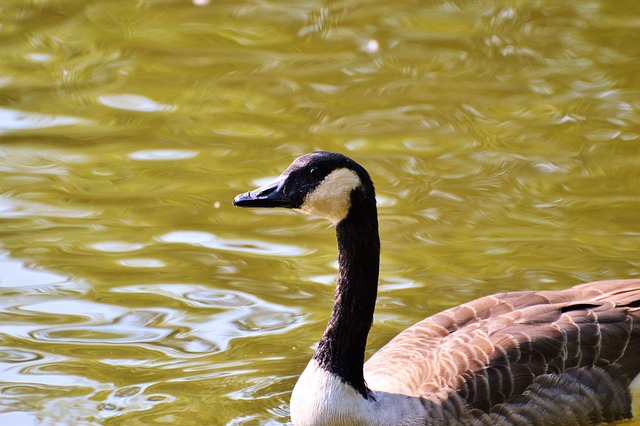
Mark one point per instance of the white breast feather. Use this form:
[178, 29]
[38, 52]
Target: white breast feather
[322, 399]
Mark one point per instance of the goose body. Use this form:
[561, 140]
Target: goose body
[528, 357]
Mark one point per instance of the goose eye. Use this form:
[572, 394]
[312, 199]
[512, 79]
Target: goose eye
[315, 173]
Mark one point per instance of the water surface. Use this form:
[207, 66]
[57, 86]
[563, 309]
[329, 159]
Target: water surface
[503, 137]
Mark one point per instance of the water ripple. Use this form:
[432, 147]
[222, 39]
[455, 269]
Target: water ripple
[239, 315]
[206, 239]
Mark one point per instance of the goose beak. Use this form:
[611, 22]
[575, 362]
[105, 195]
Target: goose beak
[270, 195]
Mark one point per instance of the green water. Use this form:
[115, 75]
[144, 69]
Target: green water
[503, 137]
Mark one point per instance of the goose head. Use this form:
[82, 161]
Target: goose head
[323, 184]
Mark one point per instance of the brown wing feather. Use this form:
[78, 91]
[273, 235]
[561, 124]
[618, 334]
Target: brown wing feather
[491, 349]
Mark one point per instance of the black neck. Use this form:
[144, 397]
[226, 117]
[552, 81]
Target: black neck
[341, 350]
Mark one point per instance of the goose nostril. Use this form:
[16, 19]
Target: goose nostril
[260, 192]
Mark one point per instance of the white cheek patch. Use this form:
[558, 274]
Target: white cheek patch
[332, 198]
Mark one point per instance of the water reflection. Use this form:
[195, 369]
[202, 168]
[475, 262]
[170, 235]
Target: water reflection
[162, 154]
[131, 102]
[16, 274]
[11, 120]
[212, 241]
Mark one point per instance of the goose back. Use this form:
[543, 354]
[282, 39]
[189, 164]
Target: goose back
[505, 354]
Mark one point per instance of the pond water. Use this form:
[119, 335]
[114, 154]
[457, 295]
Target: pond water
[503, 137]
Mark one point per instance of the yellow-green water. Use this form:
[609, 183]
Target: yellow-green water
[503, 137]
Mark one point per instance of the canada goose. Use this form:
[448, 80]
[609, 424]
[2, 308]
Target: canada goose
[528, 357]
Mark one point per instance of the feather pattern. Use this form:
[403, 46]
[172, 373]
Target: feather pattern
[503, 353]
